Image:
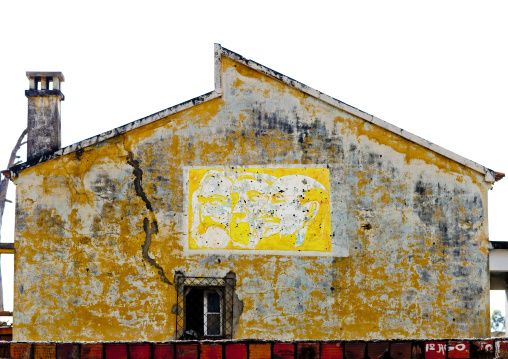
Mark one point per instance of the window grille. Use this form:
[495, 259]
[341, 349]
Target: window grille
[205, 307]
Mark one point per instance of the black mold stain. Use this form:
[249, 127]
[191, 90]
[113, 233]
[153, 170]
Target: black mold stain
[460, 213]
[467, 295]
[451, 216]
[149, 228]
[79, 153]
[461, 271]
[104, 187]
[290, 127]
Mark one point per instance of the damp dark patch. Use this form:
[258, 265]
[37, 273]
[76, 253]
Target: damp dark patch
[176, 309]
[423, 203]
[420, 188]
[49, 220]
[310, 141]
[460, 213]
[424, 275]
[105, 188]
[265, 122]
[79, 153]
[469, 293]
[461, 271]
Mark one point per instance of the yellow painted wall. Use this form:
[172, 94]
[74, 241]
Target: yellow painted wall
[101, 232]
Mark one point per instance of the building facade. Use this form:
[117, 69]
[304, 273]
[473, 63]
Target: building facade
[263, 209]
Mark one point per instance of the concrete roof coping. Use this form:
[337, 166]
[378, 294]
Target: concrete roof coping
[498, 244]
[489, 175]
[32, 74]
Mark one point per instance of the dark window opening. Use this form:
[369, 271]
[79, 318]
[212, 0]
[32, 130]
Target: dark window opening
[203, 312]
[205, 307]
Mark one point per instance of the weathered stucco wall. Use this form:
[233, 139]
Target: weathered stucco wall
[100, 233]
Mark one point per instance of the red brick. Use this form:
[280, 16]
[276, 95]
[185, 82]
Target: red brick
[401, 350]
[331, 350]
[187, 351]
[458, 349]
[67, 351]
[5, 350]
[307, 350]
[502, 349]
[236, 351]
[139, 351]
[354, 350]
[417, 349]
[116, 351]
[21, 350]
[91, 351]
[211, 351]
[435, 350]
[163, 351]
[377, 350]
[44, 351]
[482, 349]
[484, 345]
[260, 351]
[283, 350]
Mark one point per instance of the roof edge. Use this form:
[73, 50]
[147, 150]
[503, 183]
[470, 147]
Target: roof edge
[15, 170]
[219, 51]
[489, 175]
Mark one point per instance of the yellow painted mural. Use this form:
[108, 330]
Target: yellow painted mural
[269, 208]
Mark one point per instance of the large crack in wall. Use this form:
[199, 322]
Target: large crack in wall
[150, 225]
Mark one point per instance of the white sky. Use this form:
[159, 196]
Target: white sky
[438, 69]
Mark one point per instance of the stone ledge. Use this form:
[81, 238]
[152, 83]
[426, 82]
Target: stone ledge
[38, 93]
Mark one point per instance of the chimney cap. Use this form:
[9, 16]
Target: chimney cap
[32, 74]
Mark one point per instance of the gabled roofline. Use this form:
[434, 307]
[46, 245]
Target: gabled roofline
[489, 175]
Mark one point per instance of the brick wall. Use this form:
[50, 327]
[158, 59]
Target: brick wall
[417, 349]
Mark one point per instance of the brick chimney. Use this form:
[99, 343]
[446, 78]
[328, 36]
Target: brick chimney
[44, 98]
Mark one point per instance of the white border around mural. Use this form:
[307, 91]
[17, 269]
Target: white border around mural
[340, 245]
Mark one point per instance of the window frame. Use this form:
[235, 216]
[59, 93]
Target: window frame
[220, 292]
[224, 285]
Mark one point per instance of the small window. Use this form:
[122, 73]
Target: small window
[205, 307]
[203, 310]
